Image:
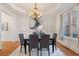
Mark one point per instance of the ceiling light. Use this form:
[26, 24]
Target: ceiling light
[35, 13]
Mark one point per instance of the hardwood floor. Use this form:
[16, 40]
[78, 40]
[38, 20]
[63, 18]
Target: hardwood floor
[9, 47]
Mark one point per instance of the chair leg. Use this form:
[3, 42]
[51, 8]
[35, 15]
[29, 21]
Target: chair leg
[37, 51]
[53, 48]
[41, 52]
[21, 48]
[25, 48]
[48, 52]
[29, 51]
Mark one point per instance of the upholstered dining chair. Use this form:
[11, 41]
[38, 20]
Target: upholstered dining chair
[44, 43]
[33, 43]
[21, 40]
[54, 41]
[24, 42]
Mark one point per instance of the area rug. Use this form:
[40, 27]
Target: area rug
[57, 52]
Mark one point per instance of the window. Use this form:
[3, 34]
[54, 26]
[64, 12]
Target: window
[69, 24]
[70, 28]
[66, 25]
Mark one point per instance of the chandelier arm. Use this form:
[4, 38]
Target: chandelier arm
[35, 5]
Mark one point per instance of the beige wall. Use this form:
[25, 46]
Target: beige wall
[9, 35]
[21, 25]
[49, 22]
[7, 16]
[0, 31]
[58, 24]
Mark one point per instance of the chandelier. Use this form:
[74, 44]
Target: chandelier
[35, 13]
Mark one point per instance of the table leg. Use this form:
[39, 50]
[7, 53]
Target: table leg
[25, 46]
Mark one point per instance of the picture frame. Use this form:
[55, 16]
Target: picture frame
[4, 27]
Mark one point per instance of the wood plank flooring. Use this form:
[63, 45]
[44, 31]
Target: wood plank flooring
[9, 47]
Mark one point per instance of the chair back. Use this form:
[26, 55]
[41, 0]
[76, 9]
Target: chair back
[33, 41]
[21, 38]
[44, 42]
[54, 37]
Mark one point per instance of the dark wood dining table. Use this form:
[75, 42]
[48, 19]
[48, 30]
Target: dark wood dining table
[26, 43]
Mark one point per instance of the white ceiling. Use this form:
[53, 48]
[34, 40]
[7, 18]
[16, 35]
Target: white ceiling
[44, 8]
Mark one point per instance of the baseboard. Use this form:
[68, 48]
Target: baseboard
[11, 40]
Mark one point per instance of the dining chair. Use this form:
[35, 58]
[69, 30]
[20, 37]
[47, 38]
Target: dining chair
[21, 40]
[44, 43]
[33, 43]
[54, 41]
[24, 42]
